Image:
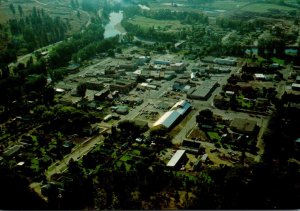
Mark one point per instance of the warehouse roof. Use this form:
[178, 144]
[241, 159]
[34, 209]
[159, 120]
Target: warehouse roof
[176, 157]
[167, 119]
[179, 109]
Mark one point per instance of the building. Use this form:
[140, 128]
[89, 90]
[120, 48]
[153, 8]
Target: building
[12, 150]
[94, 85]
[296, 87]
[203, 92]
[298, 79]
[123, 86]
[180, 44]
[243, 126]
[221, 102]
[178, 159]
[128, 67]
[259, 76]
[175, 114]
[178, 67]
[191, 146]
[226, 61]
[157, 74]
[101, 95]
[162, 62]
[142, 60]
[146, 86]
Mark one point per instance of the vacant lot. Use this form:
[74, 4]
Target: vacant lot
[165, 25]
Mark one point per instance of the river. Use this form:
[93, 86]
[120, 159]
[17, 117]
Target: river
[112, 28]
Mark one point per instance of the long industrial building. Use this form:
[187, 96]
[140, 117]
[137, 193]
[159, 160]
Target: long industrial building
[179, 110]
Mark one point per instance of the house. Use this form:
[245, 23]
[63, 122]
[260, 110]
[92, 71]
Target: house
[243, 126]
[178, 159]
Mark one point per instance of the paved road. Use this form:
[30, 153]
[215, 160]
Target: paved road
[76, 154]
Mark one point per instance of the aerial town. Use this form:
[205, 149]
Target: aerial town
[150, 104]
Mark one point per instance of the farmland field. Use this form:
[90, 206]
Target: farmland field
[264, 7]
[163, 24]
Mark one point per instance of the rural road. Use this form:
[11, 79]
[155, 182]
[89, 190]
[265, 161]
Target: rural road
[76, 154]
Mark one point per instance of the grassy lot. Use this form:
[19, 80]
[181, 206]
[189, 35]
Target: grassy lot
[264, 7]
[227, 5]
[279, 61]
[165, 25]
[214, 135]
[125, 158]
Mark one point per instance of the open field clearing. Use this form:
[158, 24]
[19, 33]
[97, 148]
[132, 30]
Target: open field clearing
[263, 7]
[163, 24]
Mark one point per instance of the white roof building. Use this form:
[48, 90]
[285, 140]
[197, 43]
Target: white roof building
[176, 157]
[178, 110]
[259, 76]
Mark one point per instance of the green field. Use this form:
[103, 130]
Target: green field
[165, 25]
[264, 7]
[214, 136]
[227, 5]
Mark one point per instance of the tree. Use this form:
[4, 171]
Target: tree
[20, 10]
[205, 117]
[12, 9]
[81, 90]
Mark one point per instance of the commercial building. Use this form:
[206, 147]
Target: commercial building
[226, 61]
[94, 85]
[202, 92]
[178, 159]
[178, 67]
[175, 114]
[101, 95]
[123, 86]
[243, 126]
[162, 62]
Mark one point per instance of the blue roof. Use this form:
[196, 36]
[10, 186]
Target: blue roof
[167, 119]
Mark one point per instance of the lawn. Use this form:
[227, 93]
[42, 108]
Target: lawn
[264, 7]
[227, 5]
[125, 158]
[279, 61]
[136, 152]
[214, 135]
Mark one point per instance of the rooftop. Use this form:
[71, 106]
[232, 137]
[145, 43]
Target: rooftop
[243, 125]
[176, 157]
